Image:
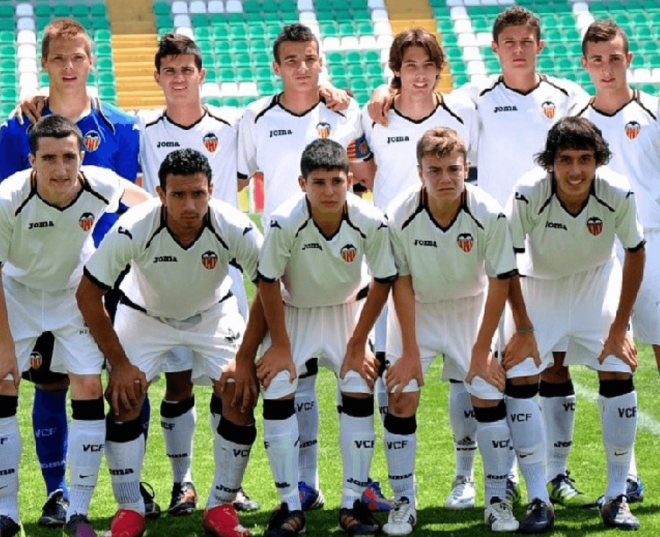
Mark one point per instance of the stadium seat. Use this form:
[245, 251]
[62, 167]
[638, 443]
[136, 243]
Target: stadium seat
[24, 10]
[216, 6]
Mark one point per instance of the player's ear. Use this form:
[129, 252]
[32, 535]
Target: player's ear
[161, 194]
[157, 77]
[349, 181]
[583, 62]
[302, 182]
[32, 159]
[276, 68]
[419, 171]
[541, 46]
[202, 74]
[211, 185]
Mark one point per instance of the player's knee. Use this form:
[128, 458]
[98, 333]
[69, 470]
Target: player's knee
[522, 387]
[278, 409]
[178, 386]
[62, 384]
[357, 405]
[610, 387]
[488, 411]
[556, 373]
[7, 388]
[8, 405]
[403, 404]
[86, 387]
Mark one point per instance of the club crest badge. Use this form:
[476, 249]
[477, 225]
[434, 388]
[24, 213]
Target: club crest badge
[209, 260]
[86, 221]
[548, 108]
[324, 130]
[595, 226]
[210, 141]
[348, 253]
[465, 242]
[632, 129]
[92, 141]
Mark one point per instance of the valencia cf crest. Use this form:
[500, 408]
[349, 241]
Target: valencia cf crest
[209, 260]
[324, 129]
[632, 129]
[92, 141]
[348, 253]
[595, 225]
[210, 142]
[465, 242]
[548, 108]
[86, 221]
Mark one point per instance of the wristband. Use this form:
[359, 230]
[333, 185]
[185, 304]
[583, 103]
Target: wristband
[525, 329]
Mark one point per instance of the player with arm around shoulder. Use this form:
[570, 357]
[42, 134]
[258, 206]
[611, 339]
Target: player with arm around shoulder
[565, 218]
[183, 237]
[324, 308]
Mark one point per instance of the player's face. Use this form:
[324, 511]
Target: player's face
[186, 199]
[574, 171]
[67, 64]
[418, 74]
[444, 177]
[517, 48]
[180, 79]
[57, 163]
[607, 64]
[326, 190]
[299, 65]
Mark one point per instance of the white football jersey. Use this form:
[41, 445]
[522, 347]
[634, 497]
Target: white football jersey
[557, 243]
[45, 247]
[325, 271]
[395, 146]
[272, 139]
[515, 125]
[166, 279]
[456, 261]
[633, 134]
[215, 135]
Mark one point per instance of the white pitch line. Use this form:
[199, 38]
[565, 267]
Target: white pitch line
[643, 419]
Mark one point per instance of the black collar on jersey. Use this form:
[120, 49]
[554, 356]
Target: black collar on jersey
[33, 192]
[542, 78]
[636, 98]
[95, 105]
[440, 102]
[424, 204]
[592, 193]
[206, 224]
[344, 218]
[205, 112]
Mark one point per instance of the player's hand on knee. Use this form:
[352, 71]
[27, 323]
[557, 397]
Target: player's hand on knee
[406, 368]
[9, 365]
[30, 108]
[361, 360]
[380, 104]
[335, 99]
[620, 344]
[243, 378]
[274, 360]
[126, 388]
[521, 346]
[488, 368]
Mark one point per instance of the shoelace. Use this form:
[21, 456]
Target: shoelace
[401, 512]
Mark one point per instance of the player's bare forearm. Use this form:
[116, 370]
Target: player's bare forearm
[376, 298]
[134, 194]
[271, 301]
[403, 296]
[498, 290]
[633, 271]
[254, 331]
[380, 103]
[517, 304]
[8, 362]
[523, 343]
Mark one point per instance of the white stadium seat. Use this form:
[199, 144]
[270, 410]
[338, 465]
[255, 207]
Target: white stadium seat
[305, 5]
[198, 6]
[229, 88]
[467, 40]
[382, 28]
[234, 6]
[248, 89]
[368, 42]
[179, 7]
[185, 30]
[26, 51]
[210, 89]
[349, 43]
[484, 39]
[376, 4]
[476, 67]
[307, 16]
[379, 15]
[472, 54]
[384, 41]
[459, 12]
[24, 10]
[27, 37]
[181, 20]
[25, 23]
[216, 6]
[331, 43]
[27, 65]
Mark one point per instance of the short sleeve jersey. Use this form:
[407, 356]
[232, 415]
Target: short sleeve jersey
[272, 139]
[456, 261]
[215, 135]
[633, 134]
[110, 140]
[167, 279]
[43, 246]
[395, 147]
[325, 271]
[557, 243]
[515, 125]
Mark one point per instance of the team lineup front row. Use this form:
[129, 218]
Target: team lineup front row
[447, 256]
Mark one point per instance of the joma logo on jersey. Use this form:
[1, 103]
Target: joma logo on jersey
[312, 246]
[548, 108]
[209, 260]
[168, 144]
[92, 141]
[396, 139]
[505, 109]
[420, 242]
[632, 129]
[86, 221]
[348, 253]
[555, 225]
[465, 242]
[595, 225]
[210, 141]
[46, 223]
[323, 129]
[165, 259]
[280, 132]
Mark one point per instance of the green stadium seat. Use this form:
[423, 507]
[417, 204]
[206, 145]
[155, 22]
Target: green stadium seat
[359, 85]
[262, 59]
[337, 71]
[243, 60]
[263, 74]
[364, 28]
[224, 60]
[235, 18]
[103, 36]
[98, 10]
[103, 50]
[650, 47]
[220, 32]
[460, 79]
[353, 57]
[362, 97]
[208, 58]
[7, 11]
[255, 31]
[245, 74]
[232, 101]
[7, 37]
[266, 87]
[329, 30]
[8, 65]
[355, 71]
[105, 79]
[91, 78]
[273, 30]
[454, 53]
[334, 57]
[211, 76]
[213, 101]
[79, 11]
[376, 82]
[227, 74]
[247, 100]
[107, 93]
[61, 10]
[253, 18]
[237, 31]
[104, 64]
[8, 51]
[583, 78]
[271, 17]
[162, 8]
[9, 95]
[340, 82]
[252, 6]
[202, 34]
[240, 46]
[42, 10]
[371, 56]
[164, 21]
[165, 30]
[545, 65]
[288, 6]
[374, 69]
[493, 66]
[7, 25]
[346, 28]
[6, 109]
[199, 20]
[482, 25]
[653, 60]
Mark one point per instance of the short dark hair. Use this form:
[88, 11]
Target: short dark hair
[184, 162]
[603, 30]
[64, 29]
[575, 133]
[414, 37]
[296, 32]
[176, 45]
[516, 16]
[440, 142]
[53, 126]
[323, 153]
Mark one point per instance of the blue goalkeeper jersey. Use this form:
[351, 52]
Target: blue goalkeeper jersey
[110, 139]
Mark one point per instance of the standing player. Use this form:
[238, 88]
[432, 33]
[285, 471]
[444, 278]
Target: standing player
[274, 132]
[47, 215]
[565, 218]
[184, 237]
[315, 248]
[629, 121]
[110, 140]
[455, 259]
[416, 59]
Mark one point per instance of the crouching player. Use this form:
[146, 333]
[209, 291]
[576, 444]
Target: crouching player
[315, 248]
[564, 218]
[455, 260]
[177, 293]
